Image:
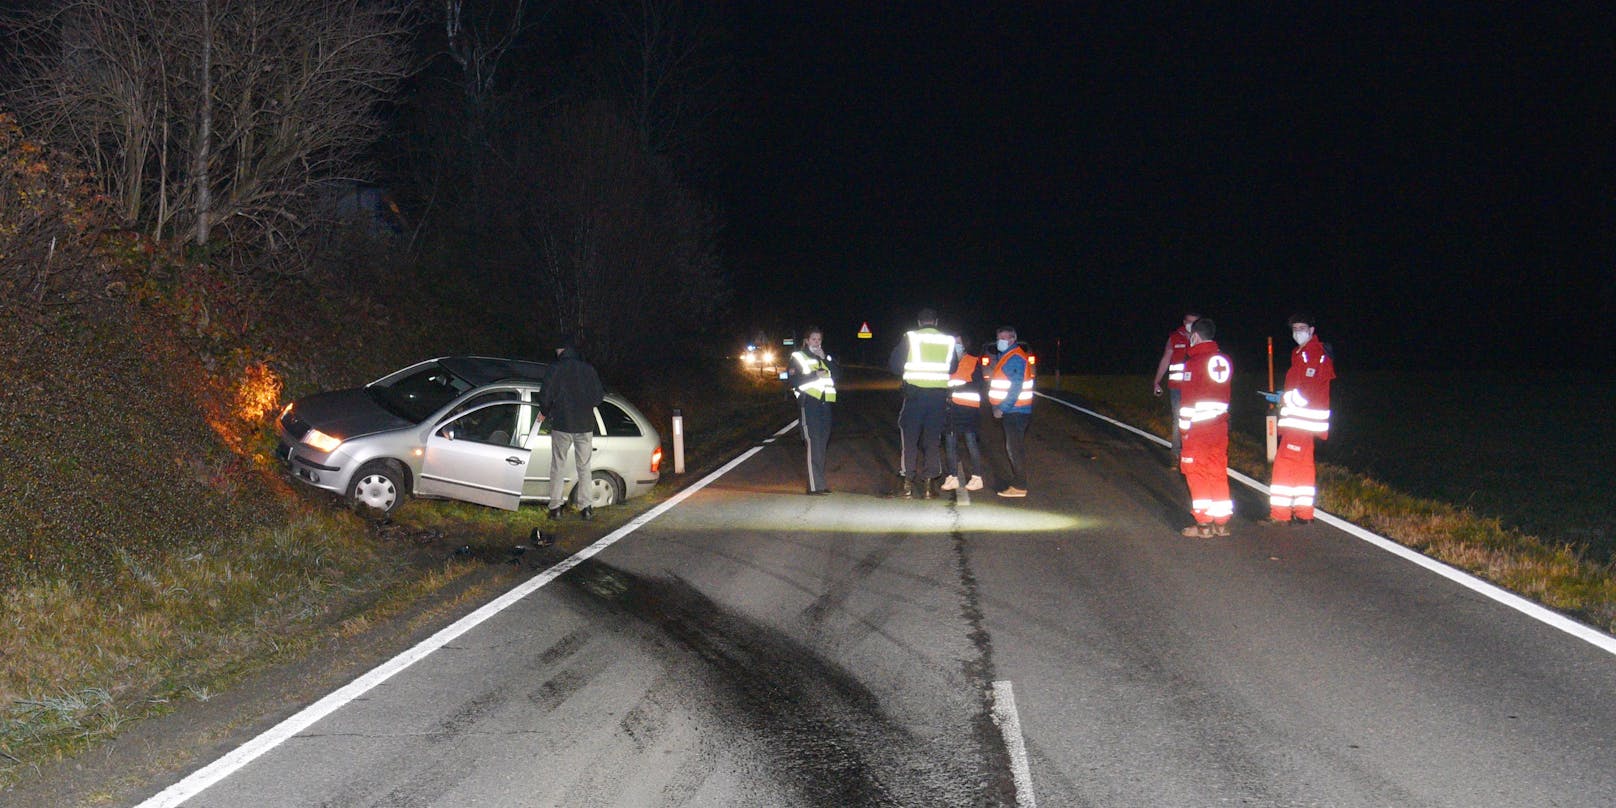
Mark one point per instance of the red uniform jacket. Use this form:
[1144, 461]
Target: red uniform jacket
[1305, 405]
[1178, 343]
[1204, 398]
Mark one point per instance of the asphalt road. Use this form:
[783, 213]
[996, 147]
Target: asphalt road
[753, 646]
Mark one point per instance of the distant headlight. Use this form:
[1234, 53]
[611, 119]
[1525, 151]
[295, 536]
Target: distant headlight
[322, 441]
[768, 357]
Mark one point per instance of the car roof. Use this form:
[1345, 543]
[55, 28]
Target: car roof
[481, 370]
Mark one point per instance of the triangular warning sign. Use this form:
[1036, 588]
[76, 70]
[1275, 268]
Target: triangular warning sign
[864, 331]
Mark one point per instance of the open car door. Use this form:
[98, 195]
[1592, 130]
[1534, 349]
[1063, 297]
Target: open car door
[477, 456]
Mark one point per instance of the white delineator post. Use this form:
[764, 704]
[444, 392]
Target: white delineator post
[678, 443]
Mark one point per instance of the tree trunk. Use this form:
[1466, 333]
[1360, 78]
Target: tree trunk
[204, 194]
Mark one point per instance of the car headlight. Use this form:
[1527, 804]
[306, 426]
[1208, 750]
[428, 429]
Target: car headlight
[322, 441]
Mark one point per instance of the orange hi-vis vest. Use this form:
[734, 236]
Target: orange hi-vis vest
[962, 390]
[999, 382]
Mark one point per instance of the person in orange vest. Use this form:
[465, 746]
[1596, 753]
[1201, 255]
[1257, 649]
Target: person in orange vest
[1010, 372]
[1203, 418]
[965, 392]
[1172, 366]
[1304, 414]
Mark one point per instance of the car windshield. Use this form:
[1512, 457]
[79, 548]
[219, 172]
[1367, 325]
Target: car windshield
[419, 394]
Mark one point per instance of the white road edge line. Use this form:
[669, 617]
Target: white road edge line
[1009, 721]
[201, 779]
[1581, 631]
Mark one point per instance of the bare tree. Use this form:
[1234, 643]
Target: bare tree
[624, 250]
[478, 40]
[666, 69]
[230, 114]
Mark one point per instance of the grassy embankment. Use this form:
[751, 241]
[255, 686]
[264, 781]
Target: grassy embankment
[152, 552]
[1573, 578]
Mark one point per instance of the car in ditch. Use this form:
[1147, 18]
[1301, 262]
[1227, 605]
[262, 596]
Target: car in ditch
[457, 427]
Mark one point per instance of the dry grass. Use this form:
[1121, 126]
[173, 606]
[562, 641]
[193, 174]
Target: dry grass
[1558, 575]
[78, 659]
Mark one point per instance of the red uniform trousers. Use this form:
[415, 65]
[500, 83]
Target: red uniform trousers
[1205, 463]
[1292, 489]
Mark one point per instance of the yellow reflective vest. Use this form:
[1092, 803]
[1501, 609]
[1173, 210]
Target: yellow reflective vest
[927, 362]
[822, 388]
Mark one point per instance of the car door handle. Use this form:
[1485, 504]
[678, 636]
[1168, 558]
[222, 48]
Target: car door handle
[515, 461]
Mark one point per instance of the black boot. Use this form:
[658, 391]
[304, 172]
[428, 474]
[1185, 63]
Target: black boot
[555, 513]
[587, 512]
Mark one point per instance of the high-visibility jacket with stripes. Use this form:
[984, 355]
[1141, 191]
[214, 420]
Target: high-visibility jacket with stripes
[1178, 343]
[1305, 404]
[964, 385]
[1205, 396]
[927, 360]
[803, 381]
[1002, 381]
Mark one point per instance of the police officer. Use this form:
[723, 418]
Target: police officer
[924, 358]
[812, 376]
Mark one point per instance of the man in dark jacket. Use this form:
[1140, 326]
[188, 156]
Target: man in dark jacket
[571, 392]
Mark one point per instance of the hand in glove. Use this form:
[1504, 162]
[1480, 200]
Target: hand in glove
[1271, 397]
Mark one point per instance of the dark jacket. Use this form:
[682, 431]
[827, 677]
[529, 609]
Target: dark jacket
[571, 391]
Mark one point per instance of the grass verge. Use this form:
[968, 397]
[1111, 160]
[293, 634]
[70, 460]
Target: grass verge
[81, 658]
[1554, 574]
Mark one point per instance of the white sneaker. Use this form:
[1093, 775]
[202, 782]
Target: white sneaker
[975, 484]
[951, 483]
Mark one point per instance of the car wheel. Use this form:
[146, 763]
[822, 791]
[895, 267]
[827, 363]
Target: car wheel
[378, 487]
[604, 489]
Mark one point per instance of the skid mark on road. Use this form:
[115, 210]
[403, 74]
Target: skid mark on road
[837, 595]
[820, 731]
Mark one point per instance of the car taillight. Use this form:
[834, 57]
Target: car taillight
[656, 460]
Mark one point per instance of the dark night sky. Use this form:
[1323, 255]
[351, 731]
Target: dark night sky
[1433, 181]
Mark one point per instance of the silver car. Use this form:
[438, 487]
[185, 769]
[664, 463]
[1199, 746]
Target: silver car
[457, 427]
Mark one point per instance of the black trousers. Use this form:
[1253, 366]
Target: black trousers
[920, 428]
[815, 438]
[1015, 425]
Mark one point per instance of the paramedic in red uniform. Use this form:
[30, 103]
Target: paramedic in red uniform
[1203, 418]
[1172, 366]
[1304, 414]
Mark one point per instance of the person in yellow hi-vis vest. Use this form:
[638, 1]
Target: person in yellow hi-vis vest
[812, 374]
[925, 359]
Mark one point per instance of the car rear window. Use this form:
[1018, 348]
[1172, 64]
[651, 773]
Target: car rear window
[619, 424]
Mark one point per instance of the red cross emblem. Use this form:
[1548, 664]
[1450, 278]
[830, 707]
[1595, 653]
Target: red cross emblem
[1219, 369]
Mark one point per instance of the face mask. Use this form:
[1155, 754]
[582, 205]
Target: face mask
[1301, 337]
[1003, 345]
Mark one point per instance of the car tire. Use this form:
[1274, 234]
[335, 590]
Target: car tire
[378, 488]
[604, 489]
